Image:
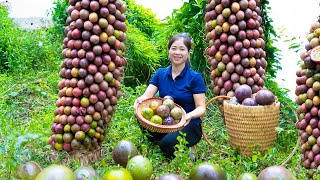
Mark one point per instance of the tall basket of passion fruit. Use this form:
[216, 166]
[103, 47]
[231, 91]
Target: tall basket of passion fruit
[308, 99]
[161, 115]
[90, 77]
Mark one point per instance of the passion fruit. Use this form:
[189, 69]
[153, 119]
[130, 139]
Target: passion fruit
[170, 177]
[117, 174]
[56, 172]
[156, 119]
[207, 170]
[247, 176]
[176, 113]
[276, 173]
[265, 97]
[147, 113]
[242, 92]
[86, 172]
[123, 152]
[140, 167]
[28, 171]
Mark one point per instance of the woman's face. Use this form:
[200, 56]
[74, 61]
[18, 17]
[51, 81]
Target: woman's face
[178, 52]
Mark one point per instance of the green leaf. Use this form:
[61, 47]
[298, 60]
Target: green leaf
[14, 94]
[25, 138]
[254, 158]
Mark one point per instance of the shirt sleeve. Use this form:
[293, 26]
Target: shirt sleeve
[198, 85]
[155, 79]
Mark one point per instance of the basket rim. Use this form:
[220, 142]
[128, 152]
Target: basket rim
[159, 127]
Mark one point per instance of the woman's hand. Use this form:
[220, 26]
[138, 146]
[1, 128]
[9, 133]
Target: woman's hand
[139, 100]
[150, 92]
[188, 116]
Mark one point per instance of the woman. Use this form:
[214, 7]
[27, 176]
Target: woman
[187, 88]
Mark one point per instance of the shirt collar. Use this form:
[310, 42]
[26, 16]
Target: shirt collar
[182, 74]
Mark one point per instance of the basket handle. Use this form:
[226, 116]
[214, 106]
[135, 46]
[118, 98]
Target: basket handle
[214, 99]
[207, 103]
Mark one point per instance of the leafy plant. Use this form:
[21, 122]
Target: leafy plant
[23, 50]
[142, 18]
[142, 58]
[270, 35]
[59, 15]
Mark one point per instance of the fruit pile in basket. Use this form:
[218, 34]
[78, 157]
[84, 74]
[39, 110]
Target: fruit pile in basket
[245, 96]
[164, 112]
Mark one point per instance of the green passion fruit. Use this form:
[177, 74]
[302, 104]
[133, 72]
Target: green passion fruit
[140, 167]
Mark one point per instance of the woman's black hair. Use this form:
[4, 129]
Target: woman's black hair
[187, 40]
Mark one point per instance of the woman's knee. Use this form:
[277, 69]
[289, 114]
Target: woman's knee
[167, 145]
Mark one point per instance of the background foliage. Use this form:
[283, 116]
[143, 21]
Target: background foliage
[29, 68]
[23, 50]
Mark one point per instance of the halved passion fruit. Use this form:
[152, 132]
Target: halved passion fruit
[315, 54]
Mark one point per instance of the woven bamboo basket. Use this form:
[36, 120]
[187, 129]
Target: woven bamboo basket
[251, 128]
[157, 127]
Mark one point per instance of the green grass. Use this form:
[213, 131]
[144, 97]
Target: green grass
[27, 103]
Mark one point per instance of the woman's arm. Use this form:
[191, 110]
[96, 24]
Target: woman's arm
[200, 103]
[149, 93]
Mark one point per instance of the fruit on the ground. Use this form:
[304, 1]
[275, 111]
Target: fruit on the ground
[28, 171]
[170, 177]
[117, 174]
[247, 176]
[93, 56]
[123, 152]
[140, 167]
[86, 172]
[207, 170]
[56, 172]
[276, 173]
[265, 97]
[236, 45]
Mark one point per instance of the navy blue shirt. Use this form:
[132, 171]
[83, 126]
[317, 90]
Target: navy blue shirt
[182, 88]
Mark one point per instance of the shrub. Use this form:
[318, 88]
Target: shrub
[24, 50]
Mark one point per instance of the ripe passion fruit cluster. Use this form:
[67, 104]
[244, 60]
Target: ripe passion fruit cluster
[90, 73]
[308, 99]
[245, 96]
[236, 45]
[164, 112]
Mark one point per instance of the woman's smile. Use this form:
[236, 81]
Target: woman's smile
[178, 52]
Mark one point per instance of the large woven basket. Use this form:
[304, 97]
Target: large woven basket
[157, 127]
[251, 128]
